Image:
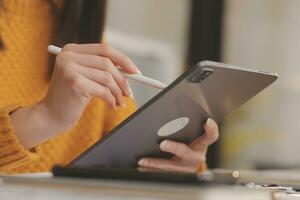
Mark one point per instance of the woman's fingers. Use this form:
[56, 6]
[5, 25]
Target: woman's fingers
[180, 150]
[103, 78]
[68, 66]
[104, 50]
[165, 165]
[210, 135]
[211, 131]
[104, 64]
[187, 158]
[147, 169]
[89, 88]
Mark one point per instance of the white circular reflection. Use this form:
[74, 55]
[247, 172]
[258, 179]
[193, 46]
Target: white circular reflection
[173, 126]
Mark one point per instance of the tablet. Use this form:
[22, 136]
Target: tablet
[209, 89]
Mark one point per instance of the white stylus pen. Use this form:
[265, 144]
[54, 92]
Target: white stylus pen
[137, 77]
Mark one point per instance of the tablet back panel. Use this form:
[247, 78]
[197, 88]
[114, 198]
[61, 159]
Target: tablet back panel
[209, 89]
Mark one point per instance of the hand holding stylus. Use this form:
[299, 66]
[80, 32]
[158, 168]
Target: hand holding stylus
[136, 77]
[90, 70]
[81, 71]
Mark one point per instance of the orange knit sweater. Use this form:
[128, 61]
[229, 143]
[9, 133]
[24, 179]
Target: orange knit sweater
[25, 27]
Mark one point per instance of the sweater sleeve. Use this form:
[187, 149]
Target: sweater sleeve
[115, 117]
[12, 153]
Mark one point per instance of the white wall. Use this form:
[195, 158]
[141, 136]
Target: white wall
[165, 21]
[264, 34]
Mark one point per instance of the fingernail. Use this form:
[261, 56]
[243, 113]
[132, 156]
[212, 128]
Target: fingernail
[164, 144]
[128, 90]
[141, 162]
[131, 93]
[210, 122]
[138, 72]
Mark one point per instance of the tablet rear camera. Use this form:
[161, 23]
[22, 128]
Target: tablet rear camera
[200, 76]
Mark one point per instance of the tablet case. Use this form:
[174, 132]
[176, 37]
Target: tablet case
[146, 176]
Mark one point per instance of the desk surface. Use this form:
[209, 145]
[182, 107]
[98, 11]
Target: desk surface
[44, 186]
[64, 188]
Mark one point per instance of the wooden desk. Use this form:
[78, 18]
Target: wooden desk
[41, 188]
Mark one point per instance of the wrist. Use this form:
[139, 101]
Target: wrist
[49, 117]
[34, 125]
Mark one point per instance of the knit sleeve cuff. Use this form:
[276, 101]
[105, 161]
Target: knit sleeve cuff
[12, 152]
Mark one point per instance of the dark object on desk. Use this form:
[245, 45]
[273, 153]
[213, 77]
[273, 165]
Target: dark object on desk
[135, 175]
[209, 89]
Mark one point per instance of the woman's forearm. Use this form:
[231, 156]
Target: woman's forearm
[33, 125]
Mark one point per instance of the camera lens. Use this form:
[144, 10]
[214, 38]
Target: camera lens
[200, 76]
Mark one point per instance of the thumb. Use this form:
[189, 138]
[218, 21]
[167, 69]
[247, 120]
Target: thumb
[211, 131]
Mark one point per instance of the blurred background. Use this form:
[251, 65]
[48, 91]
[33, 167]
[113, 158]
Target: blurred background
[166, 37]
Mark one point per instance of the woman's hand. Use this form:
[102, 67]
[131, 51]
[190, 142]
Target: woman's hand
[81, 71]
[187, 158]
